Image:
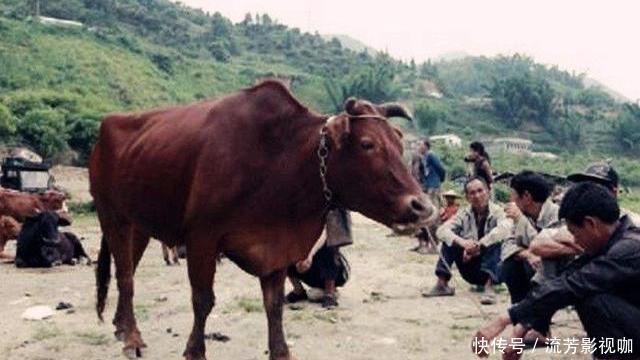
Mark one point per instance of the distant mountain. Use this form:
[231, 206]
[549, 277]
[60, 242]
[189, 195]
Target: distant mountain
[451, 55]
[590, 82]
[351, 43]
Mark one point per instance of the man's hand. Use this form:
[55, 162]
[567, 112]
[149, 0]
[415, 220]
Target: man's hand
[512, 211]
[304, 265]
[565, 238]
[481, 342]
[468, 245]
[470, 248]
[534, 261]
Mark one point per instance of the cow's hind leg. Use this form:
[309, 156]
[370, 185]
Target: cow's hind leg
[273, 297]
[165, 254]
[201, 267]
[127, 253]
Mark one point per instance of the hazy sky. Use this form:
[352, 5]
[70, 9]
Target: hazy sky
[597, 37]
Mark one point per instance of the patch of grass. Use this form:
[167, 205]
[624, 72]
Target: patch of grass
[329, 316]
[82, 208]
[455, 327]
[250, 305]
[142, 312]
[93, 338]
[46, 331]
[412, 321]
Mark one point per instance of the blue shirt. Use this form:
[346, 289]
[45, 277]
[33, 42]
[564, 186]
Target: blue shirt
[434, 172]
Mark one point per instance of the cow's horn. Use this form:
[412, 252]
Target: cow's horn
[394, 109]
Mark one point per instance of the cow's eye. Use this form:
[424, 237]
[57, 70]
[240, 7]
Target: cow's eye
[367, 145]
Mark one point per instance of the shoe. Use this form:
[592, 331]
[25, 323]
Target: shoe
[488, 299]
[294, 297]
[439, 291]
[329, 301]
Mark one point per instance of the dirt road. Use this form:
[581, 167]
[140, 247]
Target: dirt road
[381, 313]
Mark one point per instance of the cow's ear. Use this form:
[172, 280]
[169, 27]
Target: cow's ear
[338, 128]
[395, 110]
[350, 105]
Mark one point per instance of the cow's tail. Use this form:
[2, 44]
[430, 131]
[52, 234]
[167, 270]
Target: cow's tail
[103, 276]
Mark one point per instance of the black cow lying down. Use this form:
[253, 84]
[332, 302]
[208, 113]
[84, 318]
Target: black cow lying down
[40, 244]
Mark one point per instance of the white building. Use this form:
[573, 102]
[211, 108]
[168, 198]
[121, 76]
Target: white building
[449, 140]
[510, 145]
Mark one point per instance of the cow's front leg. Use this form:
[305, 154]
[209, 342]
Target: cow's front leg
[202, 268]
[273, 297]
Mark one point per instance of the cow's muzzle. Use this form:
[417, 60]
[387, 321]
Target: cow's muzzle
[419, 212]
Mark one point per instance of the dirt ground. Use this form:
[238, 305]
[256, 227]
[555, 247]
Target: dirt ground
[381, 313]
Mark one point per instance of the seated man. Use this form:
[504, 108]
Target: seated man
[325, 267]
[472, 240]
[560, 244]
[601, 284]
[530, 193]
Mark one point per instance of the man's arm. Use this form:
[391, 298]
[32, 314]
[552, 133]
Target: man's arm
[553, 243]
[503, 229]
[602, 274]
[513, 243]
[448, 232]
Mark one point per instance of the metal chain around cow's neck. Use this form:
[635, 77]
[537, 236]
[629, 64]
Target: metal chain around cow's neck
[323, 154]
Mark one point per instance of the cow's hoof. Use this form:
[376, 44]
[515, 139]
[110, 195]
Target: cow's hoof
[194, 357]
[132, 353]
[133, 348]
[285, 357]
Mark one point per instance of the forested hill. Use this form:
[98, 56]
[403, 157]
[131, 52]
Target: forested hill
[56, 82]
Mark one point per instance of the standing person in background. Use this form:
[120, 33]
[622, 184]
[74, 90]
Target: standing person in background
[416, 166]
[480, 163]
[432, 175]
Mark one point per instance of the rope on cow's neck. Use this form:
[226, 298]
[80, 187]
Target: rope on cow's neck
[323, 154]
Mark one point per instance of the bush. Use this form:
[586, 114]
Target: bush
[428, 116]
[45, 131]
[8, 124]
[502, 193]
[83, 131]
[79, 208]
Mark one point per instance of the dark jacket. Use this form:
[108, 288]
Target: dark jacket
[434, 173]
[614, 270]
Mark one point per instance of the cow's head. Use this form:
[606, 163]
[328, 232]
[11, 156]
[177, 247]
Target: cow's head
[366, 171]
[53, 200]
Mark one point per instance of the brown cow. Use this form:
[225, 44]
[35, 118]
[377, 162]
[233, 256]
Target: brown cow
[16, 207]
[249, 175]
[9, 230]
[20, 205]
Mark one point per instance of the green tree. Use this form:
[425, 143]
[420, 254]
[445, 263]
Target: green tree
[428, 116]
[8, 125]
[45, 131]
[520, 98]
[83, 132]
[626, 129]
[374, 84]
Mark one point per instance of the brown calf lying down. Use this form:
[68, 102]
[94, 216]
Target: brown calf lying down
[16, 207]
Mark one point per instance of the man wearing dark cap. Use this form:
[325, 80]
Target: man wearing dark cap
[602, 283]
[560, 244]
[604, 174]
